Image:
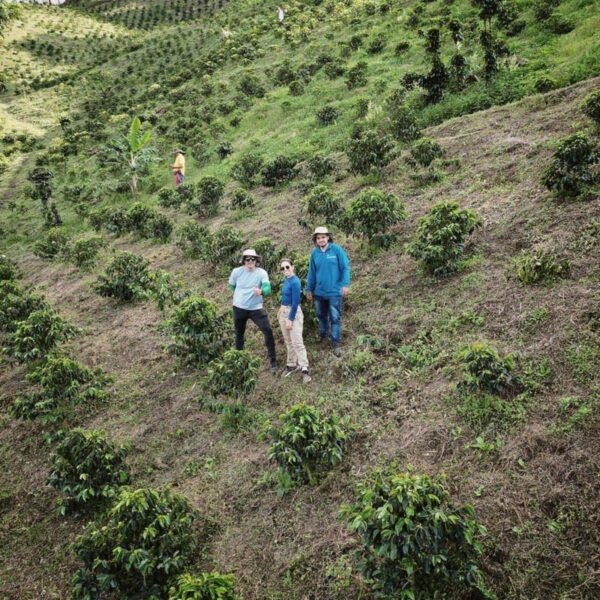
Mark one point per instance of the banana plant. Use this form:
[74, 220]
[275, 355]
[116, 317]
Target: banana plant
[132, 153]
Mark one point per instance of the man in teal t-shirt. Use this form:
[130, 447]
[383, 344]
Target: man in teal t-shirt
[249, 284]
[329, 280]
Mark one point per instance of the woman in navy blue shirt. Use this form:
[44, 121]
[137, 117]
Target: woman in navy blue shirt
[291, 321]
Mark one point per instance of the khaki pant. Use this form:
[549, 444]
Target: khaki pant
[296, 352]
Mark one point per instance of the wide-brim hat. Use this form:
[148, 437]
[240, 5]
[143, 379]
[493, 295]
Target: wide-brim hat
[249, 252]
[178, 151]
[321, 230]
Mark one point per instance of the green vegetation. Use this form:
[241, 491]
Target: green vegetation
[206, 586]
[144, 540]
[234, 375]
[307, 444]
[415, 542]
[87, 469]
[540, 266]
[440, 238]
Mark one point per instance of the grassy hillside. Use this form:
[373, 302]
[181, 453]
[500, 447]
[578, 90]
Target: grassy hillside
[204, 76]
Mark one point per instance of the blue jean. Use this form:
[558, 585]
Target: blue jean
[329, 313]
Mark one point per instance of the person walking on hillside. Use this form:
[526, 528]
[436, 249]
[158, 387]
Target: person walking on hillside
[291, 321]
[178, 166]
[329, 280]
[249, 284]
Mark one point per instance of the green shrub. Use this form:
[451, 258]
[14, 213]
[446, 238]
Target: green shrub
[573, 165]
[439, 240]
[147, 222]
[241, 199]
[401, 48]
[200, 334]
[145, 539]
[210, 190]
[543, 9]
[251, 86]
[8, 269]
[42, 180]
[52, 243]
[328, 115]
[377, 44]
[322, 202]
[369, 150]
[425, 151]
[99, 218]
[35, 337]
[247, 168]
[170, 197]
[64, 384]
[206, 586]
[307, 443]
[541, 266]
[485, 370]
[87, 469]
[224, 149]
[559, 24]
[320, 166]
[83, 252]
[296, 88]
[591, 106]
[16, 305]
[403, 123]
[234, 375]
[279, 170]
[225, 247]
[415, 542]
[357, 76]
[127, 278]
[371, 214]
[545, 84]
[194, 240]
[270, 256]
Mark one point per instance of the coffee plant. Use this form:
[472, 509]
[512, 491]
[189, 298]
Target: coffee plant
[8, 269]
[357, 75]
[539, 267]
[143, 541]
[224, 149]
[296, 88]
[369, 151]
[328, 115]
[63, 384]
[127, 278]
[194, 240]
[440, 237]
[83, 252]
[251, 86]
[171, 197]
[574, 166]
[247, 169]
[200, 334]
[415, 543]
[323, 203]
[51, 216]
[425, 151]
[225, 247]
[42, 180]
[16, 305]
[591, 106]
[87, 469]
[320, 166]
[35, 337]
[371, 214]
[51, 244]
[486, 371]
[206, 586]
[270, 256]
[306, 444]
[233, 375]
[210, 190]
[279, 170]
[242, 199]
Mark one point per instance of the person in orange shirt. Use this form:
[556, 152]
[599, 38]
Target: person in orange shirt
[178, 166]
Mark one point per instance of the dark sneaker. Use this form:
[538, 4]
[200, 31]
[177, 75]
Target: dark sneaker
[273, 368]
[306, 378]
[289, 370]
[337, 351]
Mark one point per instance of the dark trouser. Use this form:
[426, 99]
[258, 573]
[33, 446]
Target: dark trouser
[261, 320]
[329, 313]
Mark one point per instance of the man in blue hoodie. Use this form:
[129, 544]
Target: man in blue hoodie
[329, 280]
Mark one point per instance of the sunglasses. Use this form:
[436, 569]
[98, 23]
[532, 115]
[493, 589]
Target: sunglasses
[249, 259]
[286, 267]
